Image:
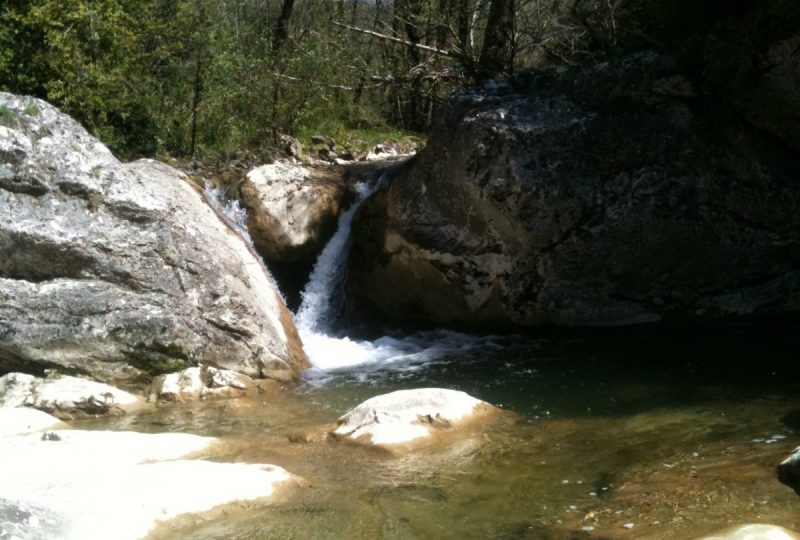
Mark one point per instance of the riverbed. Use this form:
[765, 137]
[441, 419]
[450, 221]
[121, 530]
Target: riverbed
[623, 436]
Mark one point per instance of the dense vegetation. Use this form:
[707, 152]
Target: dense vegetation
[221, 77]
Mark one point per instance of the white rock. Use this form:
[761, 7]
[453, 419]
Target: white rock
[754, 532]
[18, 420]
[96, 484]
[200, 382]
[407, 415]
[62, 395]
[291, 210]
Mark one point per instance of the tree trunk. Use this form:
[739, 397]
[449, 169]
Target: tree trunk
[497, 55]
[282, 26]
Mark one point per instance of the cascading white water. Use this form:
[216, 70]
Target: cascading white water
[318, 309]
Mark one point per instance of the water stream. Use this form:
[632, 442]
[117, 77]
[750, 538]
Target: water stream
[664, 436]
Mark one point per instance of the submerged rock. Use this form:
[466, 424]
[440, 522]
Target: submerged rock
[63, 396]
[292, 210]
[405, 416]
[99, 484]
[200, 383]
[120, 270]
[596, 195]
[19, 420]
[789, 471]
[754, 532]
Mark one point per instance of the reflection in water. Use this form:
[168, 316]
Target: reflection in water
[670, 437]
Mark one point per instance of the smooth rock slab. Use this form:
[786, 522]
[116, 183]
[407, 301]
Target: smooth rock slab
[754, 532]
[789, 471]
[19, 420]
[97, 484]
[407, 416]
[63, 396]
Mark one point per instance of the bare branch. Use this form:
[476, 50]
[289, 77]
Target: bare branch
[442, 52]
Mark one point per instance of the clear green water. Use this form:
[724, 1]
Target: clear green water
[676, 435]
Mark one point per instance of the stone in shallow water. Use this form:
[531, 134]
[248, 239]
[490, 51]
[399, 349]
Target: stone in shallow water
[19, 420]
[408, 415]
[96, 484]
[754, 532]
[789, 471]
[199, 383]
[63, 396]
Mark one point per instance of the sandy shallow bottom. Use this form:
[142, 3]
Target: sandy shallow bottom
[664, 474]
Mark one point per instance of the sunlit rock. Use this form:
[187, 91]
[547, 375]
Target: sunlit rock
[63, 396]
[754, 532]
[406, 416]
[292, 210]
[200, 383]
[789, 471]
[19, 420]
[121, 270]
[96, 484]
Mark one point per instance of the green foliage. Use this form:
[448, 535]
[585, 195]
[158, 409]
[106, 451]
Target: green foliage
[7, 116]
[209, 78]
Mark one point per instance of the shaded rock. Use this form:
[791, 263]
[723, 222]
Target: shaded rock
[121, 270]
[598, 195]
[405, 416]
[789, 471]
[291, 146]
[100, 484]
[19, 420]
[200, 383]
[292, 210]
[754, 532]
[323, 140]
[63, 396]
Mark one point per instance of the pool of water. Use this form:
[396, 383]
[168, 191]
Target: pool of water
[667, 437]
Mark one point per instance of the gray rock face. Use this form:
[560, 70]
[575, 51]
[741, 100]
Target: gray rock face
[120, 270]
[599, 195]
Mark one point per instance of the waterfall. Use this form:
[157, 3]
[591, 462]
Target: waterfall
[320, 298]
[321, 301]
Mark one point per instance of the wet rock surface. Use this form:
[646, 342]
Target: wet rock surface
[605, 194]
[119, 270]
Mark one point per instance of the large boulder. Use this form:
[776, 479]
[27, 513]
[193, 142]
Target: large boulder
[291, 210]
[120, 270]
[595, 195]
